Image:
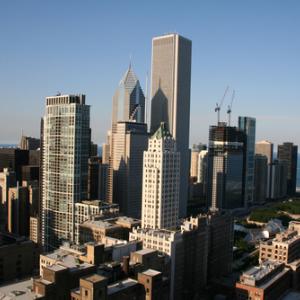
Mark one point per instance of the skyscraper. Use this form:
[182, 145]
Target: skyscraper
[66, 140]
[29, 143]
[161, 175]
[129, 100]
[196, 149]
[265, 148]
[171, 84]
[247, 125]
[260, 179]
[128, 142]
[225, 167]
[289, 153]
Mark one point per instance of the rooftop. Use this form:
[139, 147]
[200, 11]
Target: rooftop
[162, 131]
[151, 272]
[94, 278]
[258, 272]
[21, 290]
[145, 251]
[121, 285]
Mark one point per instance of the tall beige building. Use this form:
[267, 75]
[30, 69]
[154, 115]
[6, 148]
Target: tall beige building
[161, 175]
[265, 148]
[128, 142]
[170, 92]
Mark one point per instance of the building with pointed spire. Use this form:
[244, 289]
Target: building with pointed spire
[126, 144]
[161, 178]
[128, 100]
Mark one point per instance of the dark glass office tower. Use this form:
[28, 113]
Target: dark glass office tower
[289, 153]
[225, 167]
[247, 125]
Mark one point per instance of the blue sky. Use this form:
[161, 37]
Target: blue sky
[84, 47]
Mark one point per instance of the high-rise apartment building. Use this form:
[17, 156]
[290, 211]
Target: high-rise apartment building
[170, 92]
[66, 140]
[248, 125]
[128, 100]
[225, 167]
[289, 153]
[161, 177]
[129, 140]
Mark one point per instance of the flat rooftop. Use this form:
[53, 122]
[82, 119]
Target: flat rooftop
[151, 272]
[94, 278]
[258, 272]
[145, 251]
[20, 290]
[121, 285]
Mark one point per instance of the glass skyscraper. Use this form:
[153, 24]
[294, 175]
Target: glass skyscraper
[128, 100]
[248, 126]
[225, 167]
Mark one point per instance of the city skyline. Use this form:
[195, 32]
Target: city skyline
[261, 70]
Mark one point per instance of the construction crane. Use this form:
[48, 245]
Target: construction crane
[230, 107]
[218, 106]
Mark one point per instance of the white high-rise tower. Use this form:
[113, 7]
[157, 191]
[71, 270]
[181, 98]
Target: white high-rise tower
[65, 151]
[161, 178]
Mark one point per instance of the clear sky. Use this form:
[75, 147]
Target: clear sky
[84, 47]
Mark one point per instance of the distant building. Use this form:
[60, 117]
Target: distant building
[66, 140]
[29, 143]
[97, 179]
[93, 149]
[30, 173]
[106, 149]
[225, 167]
[196, 149]
[260, 179]
[277, 183]
[268, 281]
[161, 178]
[265, 148]
[289, 153]
[248, 126]
[202, 172]
[170, 90]
[129, 140]
[18, 209]
[7, 180]
[14, 159]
